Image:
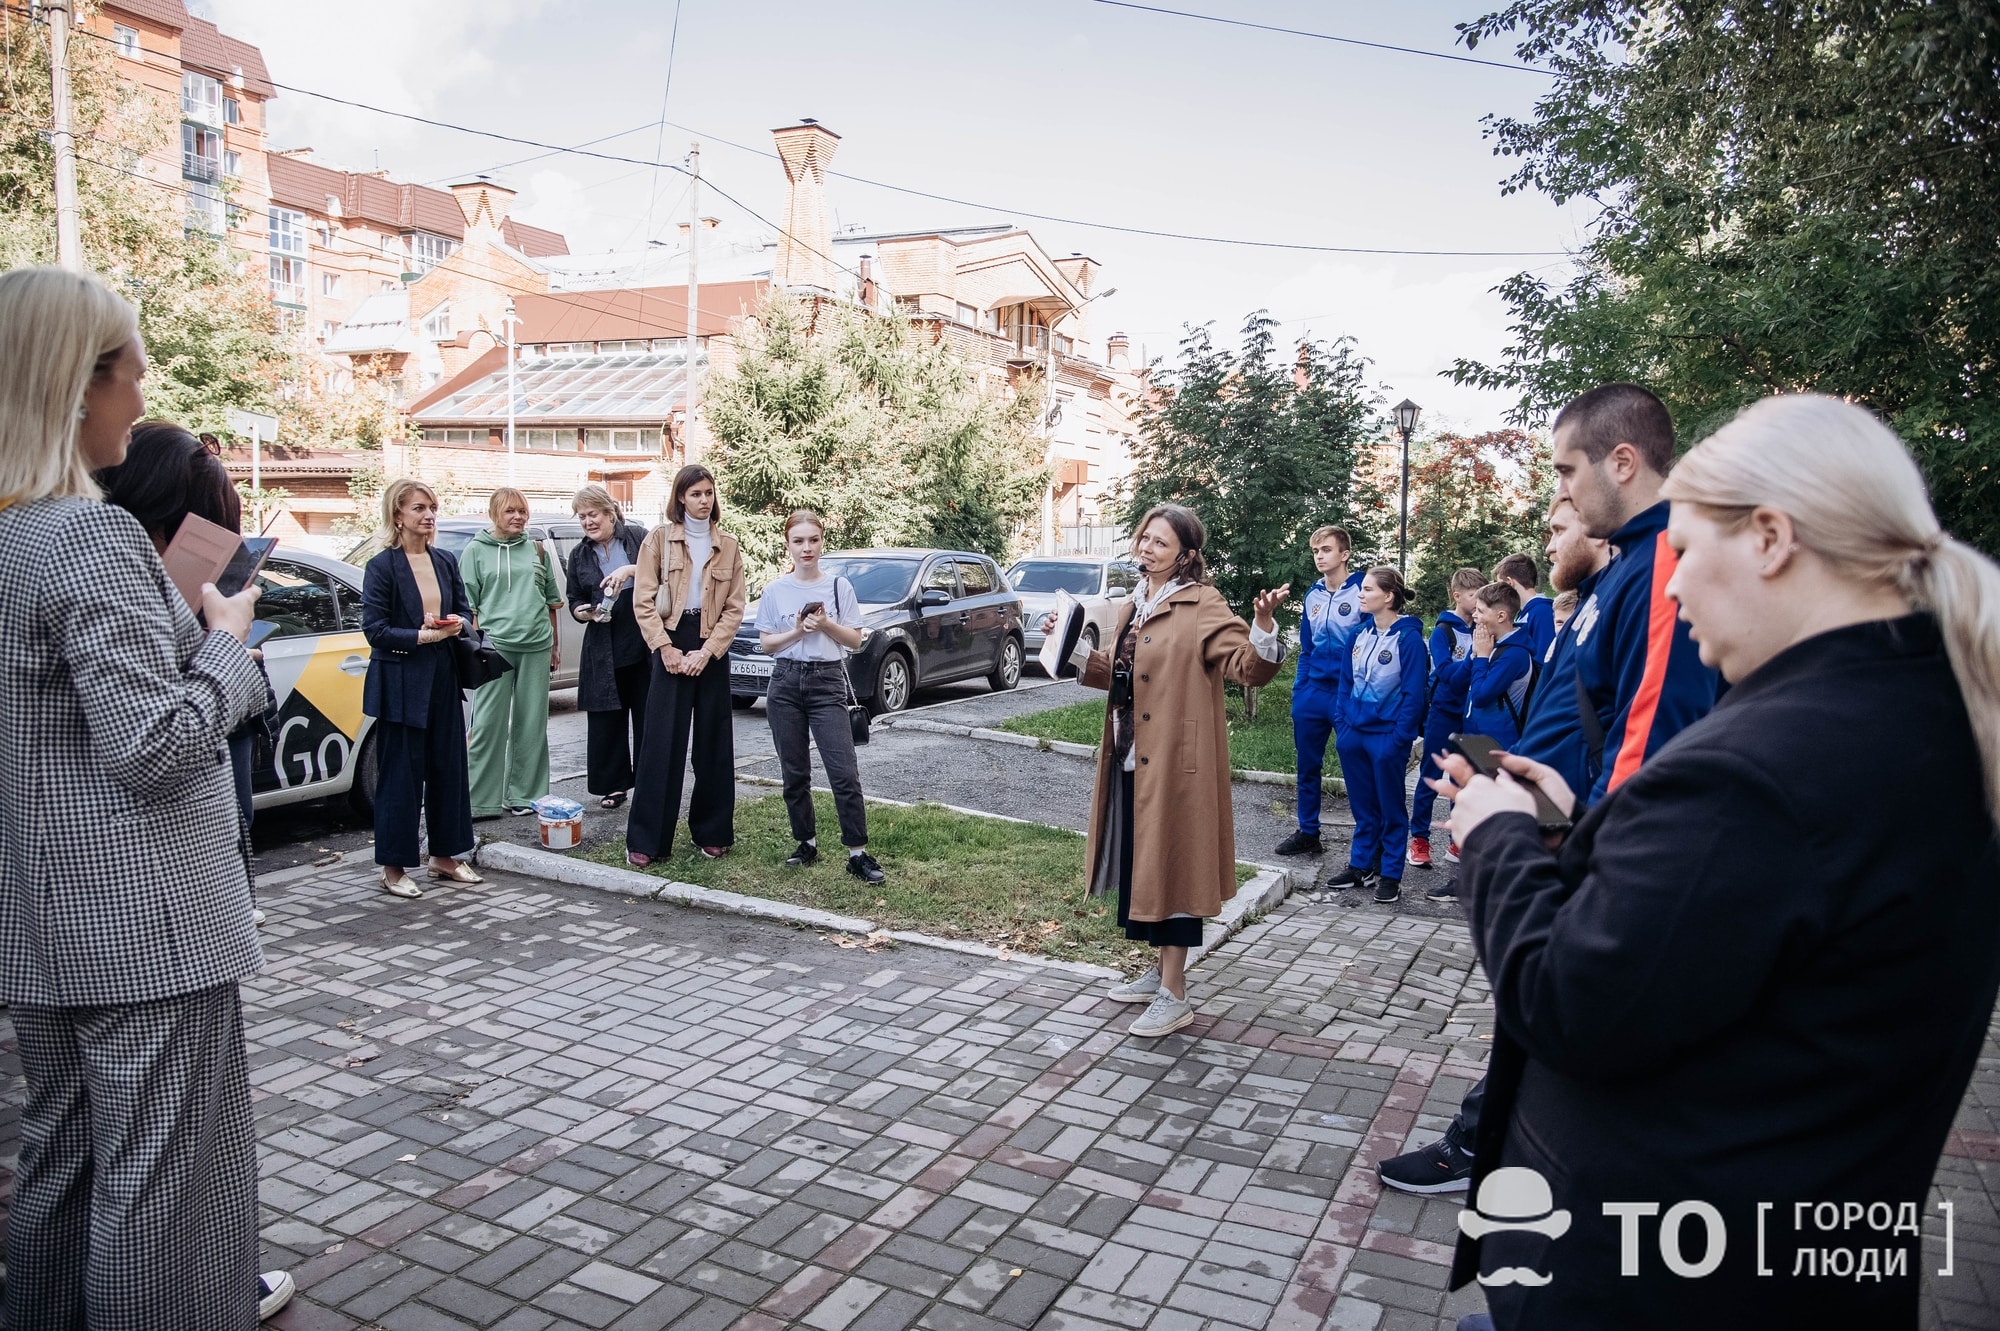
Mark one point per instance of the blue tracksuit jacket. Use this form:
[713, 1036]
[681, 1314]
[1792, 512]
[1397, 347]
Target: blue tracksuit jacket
[1386, 691]
[1640, 670]
[1496, 701]
[1451, 672]
[1554, 731]
[1538, 616]
[1326, 629]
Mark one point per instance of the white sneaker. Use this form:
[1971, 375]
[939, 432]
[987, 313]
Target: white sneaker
[274, 1291]
[1139, 989]
[1166, 1015]
[256, 916]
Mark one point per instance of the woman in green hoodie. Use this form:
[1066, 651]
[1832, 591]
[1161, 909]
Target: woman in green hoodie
[514, 594]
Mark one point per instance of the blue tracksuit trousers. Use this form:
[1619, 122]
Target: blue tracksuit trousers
[1373, 763]
[1312, 726]
[1422, 802]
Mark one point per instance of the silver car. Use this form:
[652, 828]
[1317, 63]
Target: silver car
[1099, 582]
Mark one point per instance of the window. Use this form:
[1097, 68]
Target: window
[1121, 576]
[205, 209]
[232, 111]
[547, 440]
[232, 164]
[1065, 345]
[437, 324]
[327, 329]
[201, 154]
[324, 231]
[288, 280]
[201, 98]
[992, 321]
[621, 441]
[1052, 575]
[458, 437]
[426, 251]
[126, 40]
[288, 231]
[968, 315]
[941, 578]
[329, 284]
[976, 577]
[299, 600]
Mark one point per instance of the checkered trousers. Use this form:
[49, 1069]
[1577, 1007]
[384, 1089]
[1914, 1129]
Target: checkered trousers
[135, 1208]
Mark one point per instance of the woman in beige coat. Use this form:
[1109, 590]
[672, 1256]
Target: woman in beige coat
[689, 602]
[1162, 834]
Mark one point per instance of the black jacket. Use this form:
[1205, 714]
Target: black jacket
[1758, 972]
[606, 647]
[399, 683]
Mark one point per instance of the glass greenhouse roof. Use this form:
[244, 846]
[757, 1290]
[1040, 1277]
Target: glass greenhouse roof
[628, 386]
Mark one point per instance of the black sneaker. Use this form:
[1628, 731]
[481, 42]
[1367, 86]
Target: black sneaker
[1439, 1167]
[1348, 877]
[1388, 891]
[864, 867]
[1300, 843]
[1445, 891]
[805, 854]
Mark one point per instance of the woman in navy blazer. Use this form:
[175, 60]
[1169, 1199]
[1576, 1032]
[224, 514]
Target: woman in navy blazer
[412, 604]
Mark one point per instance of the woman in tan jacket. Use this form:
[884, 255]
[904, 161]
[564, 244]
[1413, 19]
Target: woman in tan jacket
[1162, 833]
[689, 603]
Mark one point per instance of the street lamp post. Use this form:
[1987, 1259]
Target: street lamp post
[509, 320]
[1406, 425]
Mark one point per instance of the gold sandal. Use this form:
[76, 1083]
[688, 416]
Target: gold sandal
[401, 887]
[461, 872]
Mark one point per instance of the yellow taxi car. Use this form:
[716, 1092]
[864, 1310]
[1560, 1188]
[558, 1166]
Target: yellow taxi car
[317, 661]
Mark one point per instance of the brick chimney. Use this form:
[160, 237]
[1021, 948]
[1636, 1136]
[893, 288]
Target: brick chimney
[485, 207]
[805, 247]
[1118, 351]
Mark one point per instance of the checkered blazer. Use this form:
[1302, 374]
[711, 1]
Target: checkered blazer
[121, 875]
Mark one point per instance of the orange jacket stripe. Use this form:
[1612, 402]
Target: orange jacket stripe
[1659, 649]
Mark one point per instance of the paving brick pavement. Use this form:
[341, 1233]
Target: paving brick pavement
[541, 1109]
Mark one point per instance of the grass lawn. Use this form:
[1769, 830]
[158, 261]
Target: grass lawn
[1264, 745]
[1005, 884]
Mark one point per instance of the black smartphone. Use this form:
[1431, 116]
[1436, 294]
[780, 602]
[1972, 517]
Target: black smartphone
[259, 630]
[811, 608]
[243, 565]
[1479, 750]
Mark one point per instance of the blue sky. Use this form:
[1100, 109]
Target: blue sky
[1064, 107]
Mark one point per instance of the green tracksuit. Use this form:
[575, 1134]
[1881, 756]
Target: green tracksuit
[511, 585]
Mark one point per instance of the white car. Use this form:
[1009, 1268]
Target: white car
[1099, 582]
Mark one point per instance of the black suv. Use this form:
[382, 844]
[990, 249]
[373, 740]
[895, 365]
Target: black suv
[927, 617]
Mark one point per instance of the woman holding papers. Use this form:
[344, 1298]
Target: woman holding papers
[1162, 837]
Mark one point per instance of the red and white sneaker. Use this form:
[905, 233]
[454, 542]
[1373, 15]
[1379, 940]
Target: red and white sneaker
[1420, 851]
[1451, 851]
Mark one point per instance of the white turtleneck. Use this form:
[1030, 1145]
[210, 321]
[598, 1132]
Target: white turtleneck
[700, 544]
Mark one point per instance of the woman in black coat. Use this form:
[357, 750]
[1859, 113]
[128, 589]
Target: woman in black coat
[616, 669]
[1752, 983]
[412, 604]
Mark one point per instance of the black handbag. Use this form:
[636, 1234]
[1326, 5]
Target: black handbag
[857, 715]
[477, 660]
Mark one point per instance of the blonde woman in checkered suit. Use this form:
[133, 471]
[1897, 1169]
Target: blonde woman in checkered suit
[135, 1203]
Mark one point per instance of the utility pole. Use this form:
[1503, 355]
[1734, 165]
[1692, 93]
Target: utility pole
[69, 236]
[508, 321]
[692, 375]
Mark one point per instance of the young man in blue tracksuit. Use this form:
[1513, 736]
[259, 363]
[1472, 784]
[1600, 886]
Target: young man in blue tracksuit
[1379, 719]
[1537, 613]
[1332, 614]
[1451, 655]
[1503, 667]
[1641, 677]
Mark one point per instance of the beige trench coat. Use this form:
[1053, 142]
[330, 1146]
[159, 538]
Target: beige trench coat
[1183, 827]
[663, 559]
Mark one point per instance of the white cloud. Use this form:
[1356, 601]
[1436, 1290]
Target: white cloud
[555, 200]
[386, 53]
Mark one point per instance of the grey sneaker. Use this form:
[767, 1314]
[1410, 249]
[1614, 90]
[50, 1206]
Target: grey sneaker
[1166, 1015]
[1139, 989]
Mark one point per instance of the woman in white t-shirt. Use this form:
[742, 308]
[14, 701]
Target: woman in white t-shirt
[809, 622]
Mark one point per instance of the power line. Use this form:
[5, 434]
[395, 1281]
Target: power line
[1327, 37]
[660, 139]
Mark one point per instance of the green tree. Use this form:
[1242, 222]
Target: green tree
[883, 431]
[1791, 195]
[1264, 449]
[208, 328]
[1474, 499]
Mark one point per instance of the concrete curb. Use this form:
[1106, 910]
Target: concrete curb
[1333, 785]
[1252, 900]
[509, 857]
